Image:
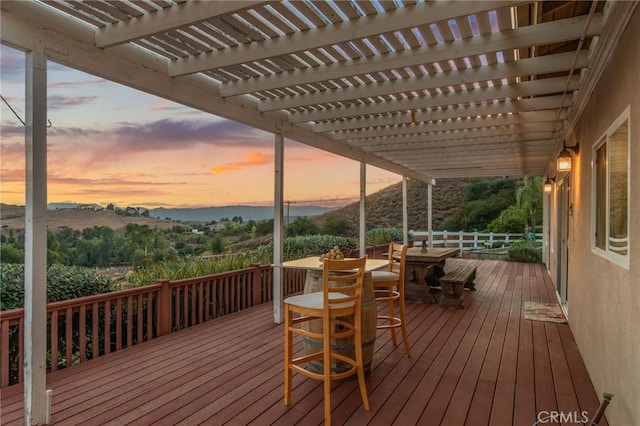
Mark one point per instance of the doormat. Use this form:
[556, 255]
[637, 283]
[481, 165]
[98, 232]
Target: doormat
[540, 311]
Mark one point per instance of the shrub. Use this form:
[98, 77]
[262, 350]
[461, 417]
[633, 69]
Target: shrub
[11, 254]
[525, 253]
[383, 235]
[187, 268]
[63, 283]
[303, 246]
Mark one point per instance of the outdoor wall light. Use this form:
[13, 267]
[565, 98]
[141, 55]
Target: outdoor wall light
[563, 162]
[548, 185]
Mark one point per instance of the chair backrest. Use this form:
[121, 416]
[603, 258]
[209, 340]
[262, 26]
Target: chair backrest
[397, 259]
[343, 276]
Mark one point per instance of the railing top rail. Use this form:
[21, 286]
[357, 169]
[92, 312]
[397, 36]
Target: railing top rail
[12, 314]
[86, 300]
[218, 275]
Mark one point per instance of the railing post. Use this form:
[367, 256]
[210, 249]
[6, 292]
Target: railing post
[490, 239]
[475, 240]
[164, 308]
[257, 285]
[506, 239]
[460, 241]
[444, 236]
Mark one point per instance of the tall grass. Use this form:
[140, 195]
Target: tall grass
[188, 268]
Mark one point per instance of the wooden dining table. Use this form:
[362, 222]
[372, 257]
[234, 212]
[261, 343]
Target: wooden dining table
[313, 263]
[424, 267]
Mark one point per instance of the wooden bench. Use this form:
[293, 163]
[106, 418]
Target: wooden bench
[453, 284]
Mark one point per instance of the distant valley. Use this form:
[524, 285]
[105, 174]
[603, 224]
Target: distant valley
[80, 216]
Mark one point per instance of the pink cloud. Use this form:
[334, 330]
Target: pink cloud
[77, 84]
[251, 159]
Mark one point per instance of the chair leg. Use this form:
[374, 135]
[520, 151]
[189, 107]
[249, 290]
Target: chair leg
[360, 370]
[326, 352]
[403, 322]
[288, 356]
[391, 308]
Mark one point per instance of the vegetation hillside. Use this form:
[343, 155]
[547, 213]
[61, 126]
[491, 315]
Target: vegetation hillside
[12, 217]
[384, 208]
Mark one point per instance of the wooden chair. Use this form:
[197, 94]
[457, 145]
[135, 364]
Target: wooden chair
[389, 288]
[337, 308]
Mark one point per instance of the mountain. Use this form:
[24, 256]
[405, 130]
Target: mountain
[207, 214]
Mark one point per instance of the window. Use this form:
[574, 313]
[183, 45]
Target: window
[611, 192]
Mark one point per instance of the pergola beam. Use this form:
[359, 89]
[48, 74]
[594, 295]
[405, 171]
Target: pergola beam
[482, 132]
[528, 118]
[511, 91]
[525, 67]
[435, 114]
[381, 149]
[184, 14]
[534, 35]
[314, 38]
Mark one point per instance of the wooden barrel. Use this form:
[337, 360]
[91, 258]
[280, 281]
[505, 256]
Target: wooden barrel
[313, 283]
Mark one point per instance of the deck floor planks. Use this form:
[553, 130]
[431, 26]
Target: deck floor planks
[587, 398]
[524, 408]
[466, 365]
[471, 378]
[468, 326]
[171, 372]
[391, 364]
[504, 394]
[484, 358]
[494, 390]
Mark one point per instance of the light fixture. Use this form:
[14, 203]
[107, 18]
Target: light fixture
[564, 160]
[548, 185]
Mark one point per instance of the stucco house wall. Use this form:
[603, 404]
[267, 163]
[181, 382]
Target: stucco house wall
[604, 298]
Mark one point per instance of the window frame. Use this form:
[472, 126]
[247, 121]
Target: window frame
[604, 139]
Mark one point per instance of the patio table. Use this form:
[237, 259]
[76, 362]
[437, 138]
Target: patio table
[423, 268]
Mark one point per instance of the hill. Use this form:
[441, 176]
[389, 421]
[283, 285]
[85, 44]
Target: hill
[13, 218]
[384, 208]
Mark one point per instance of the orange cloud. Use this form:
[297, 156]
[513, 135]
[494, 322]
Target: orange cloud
[251, 159]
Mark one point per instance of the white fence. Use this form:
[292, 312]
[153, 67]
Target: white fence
[466, 240]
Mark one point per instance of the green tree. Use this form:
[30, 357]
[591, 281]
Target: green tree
[217, 245]
[336, 225]
[302, 226]
[264, 227]
[529, 201]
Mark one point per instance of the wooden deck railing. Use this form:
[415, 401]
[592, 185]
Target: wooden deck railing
[89, 327]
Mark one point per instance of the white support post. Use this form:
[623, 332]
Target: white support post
[363, 215]
[35, 242]
[405, 214]
[278, 229]
[430, 213]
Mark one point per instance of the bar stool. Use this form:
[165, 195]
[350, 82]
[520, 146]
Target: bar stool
[389, 287]
[338, 309]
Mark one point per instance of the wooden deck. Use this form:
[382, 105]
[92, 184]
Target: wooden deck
[477, 366]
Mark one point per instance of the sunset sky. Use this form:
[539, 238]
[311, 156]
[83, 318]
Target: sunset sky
[112, 144]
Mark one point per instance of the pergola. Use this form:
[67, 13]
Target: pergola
[423, 89]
